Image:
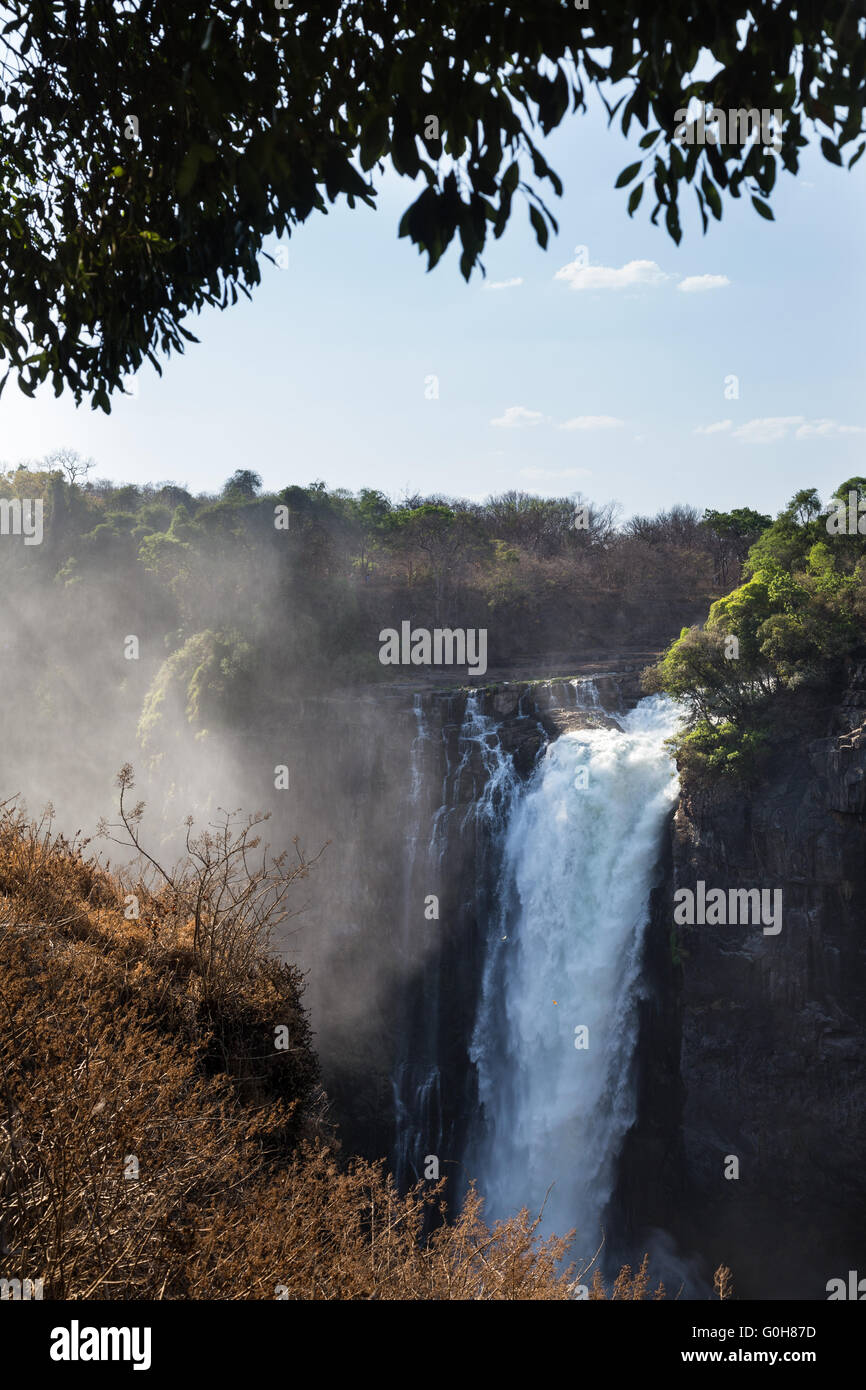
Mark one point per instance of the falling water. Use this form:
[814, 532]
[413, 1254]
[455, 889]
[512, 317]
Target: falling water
[564, 956]
[417, 1079]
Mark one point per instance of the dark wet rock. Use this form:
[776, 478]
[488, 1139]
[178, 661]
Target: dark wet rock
[567, 721]
[754, 1045]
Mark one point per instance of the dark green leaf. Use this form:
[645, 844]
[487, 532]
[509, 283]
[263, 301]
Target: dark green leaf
[630, 172]
[510, 177]
[763, 208]
[539, 224]
[829, 151]
[711, 193]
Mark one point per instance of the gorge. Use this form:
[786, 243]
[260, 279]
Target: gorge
[497, 979]
[546, 1021]
[504, 981]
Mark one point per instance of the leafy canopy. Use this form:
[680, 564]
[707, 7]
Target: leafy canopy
[798, 615]
[149, 147]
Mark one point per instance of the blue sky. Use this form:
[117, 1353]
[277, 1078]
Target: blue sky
[600, 377]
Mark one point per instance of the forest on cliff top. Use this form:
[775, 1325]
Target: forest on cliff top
[305, 578]
[240, 598]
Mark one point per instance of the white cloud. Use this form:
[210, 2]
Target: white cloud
[504, 284]
[601, 277]
[773, 428]
[826, 429]
[592, 422]
[767, 431]
[695, 284]
[716, 428]
[556, 472]
[517, 415]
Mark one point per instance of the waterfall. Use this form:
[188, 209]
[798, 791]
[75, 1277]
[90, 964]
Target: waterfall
[479, 819]
[563, 955]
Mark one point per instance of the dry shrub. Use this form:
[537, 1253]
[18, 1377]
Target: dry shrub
[723, 1285]
[117, 1043]
[226, 895]
[30, 876]
[154, 1144]
[321, 1230]
[627, 1286]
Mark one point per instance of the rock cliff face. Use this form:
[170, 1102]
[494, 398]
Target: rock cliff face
[753, 1046]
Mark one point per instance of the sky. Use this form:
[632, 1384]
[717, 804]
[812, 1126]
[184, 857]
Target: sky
[600, 371]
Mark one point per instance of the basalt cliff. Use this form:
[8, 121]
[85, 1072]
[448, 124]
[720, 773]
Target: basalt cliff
[749, 1066]
[753, 1046]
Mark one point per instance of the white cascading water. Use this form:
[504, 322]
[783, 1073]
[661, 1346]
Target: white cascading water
[579, 853]
[417, 1082]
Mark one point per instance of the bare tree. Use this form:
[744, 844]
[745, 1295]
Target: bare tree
[70, 463]
[228, 887]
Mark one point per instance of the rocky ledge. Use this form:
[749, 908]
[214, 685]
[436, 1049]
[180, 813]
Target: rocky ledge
[753, 1046]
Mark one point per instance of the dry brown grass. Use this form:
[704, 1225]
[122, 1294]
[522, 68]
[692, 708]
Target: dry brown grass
[147, 1046]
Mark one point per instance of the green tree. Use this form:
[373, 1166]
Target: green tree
[799, 614]
[243, 483]
[371, 513]
[856, 484]
[804, 506]
[206, 680]
[444, 537]
[149, 149]
[733, 534]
